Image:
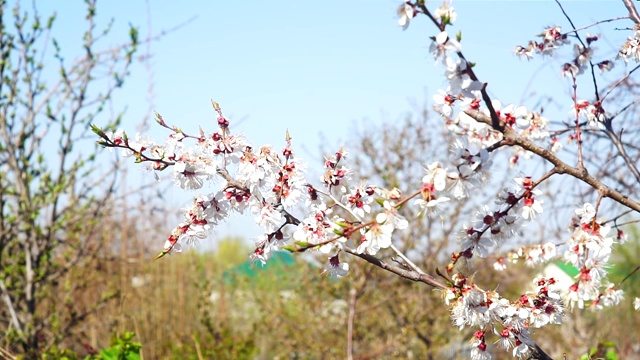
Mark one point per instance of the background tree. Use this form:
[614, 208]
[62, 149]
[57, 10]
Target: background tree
[54, 194]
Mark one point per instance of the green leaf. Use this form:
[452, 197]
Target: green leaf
[133, 34]
[612, 355]
[51, 20]
[108, 354]
[98, 131]
[159, 119]
[342, 224]
[289, 248]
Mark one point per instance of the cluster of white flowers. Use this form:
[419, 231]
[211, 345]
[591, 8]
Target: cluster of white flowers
[511, 322]
[631, 48]
[531, 255]
[528, 124]
[553, 38]
[446, 13]
[318, 229]
[592, 112]
[466, 94]
[433, 183]
[588, 250]
[493, 226]
[266, 183]
[408, 10]
[270, 184]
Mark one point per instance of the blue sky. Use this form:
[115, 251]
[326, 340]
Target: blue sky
[319, 67]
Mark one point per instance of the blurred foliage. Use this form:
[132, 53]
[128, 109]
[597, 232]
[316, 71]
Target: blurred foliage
[605, 350]
[122, 348]
[230, 252]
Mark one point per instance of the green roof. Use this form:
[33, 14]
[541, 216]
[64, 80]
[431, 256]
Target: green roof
[567, 268]
[572, 271]
[279, 263]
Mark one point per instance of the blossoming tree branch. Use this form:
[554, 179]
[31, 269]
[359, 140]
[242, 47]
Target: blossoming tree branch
[341, 216]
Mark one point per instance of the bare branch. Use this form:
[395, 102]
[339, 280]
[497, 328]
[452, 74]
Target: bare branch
[12, 310]
[406, 259]
[633, 12]
[409, 275]
[615, 139]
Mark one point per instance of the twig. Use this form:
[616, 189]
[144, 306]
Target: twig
[578, 132]
[617, 142]
[409, 275]
[197, 345]
[615, 219]
[404, 265]
[406, 259]
[627, 222]
[617, 83]
[337, 202]
[426, 11]
[597, 23]
[593, 74]
[5, 354]
[630, 274]
[231, 182]
[12, 311]
[350, 321]
[624, 108]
